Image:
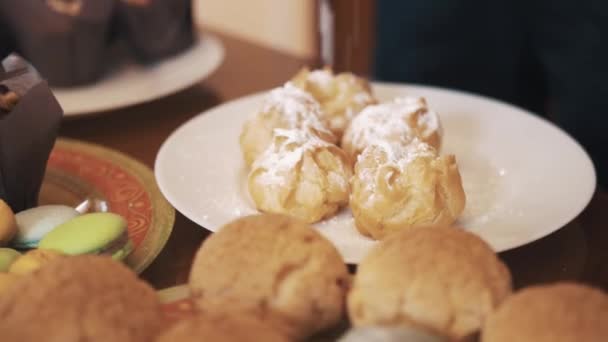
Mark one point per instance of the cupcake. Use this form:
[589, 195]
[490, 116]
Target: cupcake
[156, 29]
[64, 39]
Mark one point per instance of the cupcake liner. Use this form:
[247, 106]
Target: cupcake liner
[27, 133]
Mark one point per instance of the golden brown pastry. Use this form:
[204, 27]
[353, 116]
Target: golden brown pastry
[233, 327]
[300, 175]
[8, 224]
[396, 187]
[285, 107]
[341, 96]
[563, 312]
[80, 298]
[397, 121]
[441, 279]
[273, 267]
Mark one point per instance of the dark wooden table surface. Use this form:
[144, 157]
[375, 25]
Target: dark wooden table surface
[578, 252]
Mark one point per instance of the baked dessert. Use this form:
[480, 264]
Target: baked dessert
[341, 96]
[301, 175]
[64, 39]
[396, 187]
[285, 107]
[441, 279]
[300, 280]
[80, 298]
[156, 29]
[8, 224]
[222, 328]
[397, 121]
[562, 312]
[94, 233]
[35, 223]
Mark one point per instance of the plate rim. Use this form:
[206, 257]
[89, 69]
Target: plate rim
[209, 41]
[589, 166]
[163, 213]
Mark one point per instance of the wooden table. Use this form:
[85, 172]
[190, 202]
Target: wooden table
[579, 251]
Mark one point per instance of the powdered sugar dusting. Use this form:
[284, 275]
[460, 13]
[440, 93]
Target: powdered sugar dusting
[321, 77]
[297, 107]
[287, 149]
[392, 121]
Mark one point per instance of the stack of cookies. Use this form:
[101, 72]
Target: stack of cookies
[321, 142]
[274, 278]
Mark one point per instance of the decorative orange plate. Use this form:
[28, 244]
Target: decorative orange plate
[95, 178]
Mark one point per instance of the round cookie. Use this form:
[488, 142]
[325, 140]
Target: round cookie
[81, 298]
[8, 225]
[275, 268]
[563, 312]
[442, 279]
[221, 328]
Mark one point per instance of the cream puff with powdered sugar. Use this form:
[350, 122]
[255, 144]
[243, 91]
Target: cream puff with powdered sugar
[342, 96]
[286, 107]
[398, 121]
[300, 175]
[396, 187]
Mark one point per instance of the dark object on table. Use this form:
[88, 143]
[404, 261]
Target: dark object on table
[29, 120]
[156, 29]
[7, 42]
[64, 39]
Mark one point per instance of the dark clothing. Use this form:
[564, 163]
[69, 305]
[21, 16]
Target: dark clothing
[546, 56]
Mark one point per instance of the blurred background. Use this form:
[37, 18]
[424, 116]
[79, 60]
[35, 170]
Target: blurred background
[545, 56]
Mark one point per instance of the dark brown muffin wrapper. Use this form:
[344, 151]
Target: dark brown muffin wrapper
[27, 134]
[68, 50]
[158, 29]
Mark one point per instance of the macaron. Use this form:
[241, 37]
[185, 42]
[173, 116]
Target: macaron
[7, 257]
[33, 260]
[33, 224]
[8, 225]
[96, 233]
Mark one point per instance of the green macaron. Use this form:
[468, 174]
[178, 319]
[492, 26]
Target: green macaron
[96, 233]
[7, 257]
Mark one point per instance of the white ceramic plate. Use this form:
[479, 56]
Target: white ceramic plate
[130, 83]
[524, 178]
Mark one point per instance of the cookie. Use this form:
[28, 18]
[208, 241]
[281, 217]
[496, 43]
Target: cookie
[273, 267]
[441, 279]
[81, 298]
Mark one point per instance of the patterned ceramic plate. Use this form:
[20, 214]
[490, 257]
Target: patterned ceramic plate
[94, 178]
